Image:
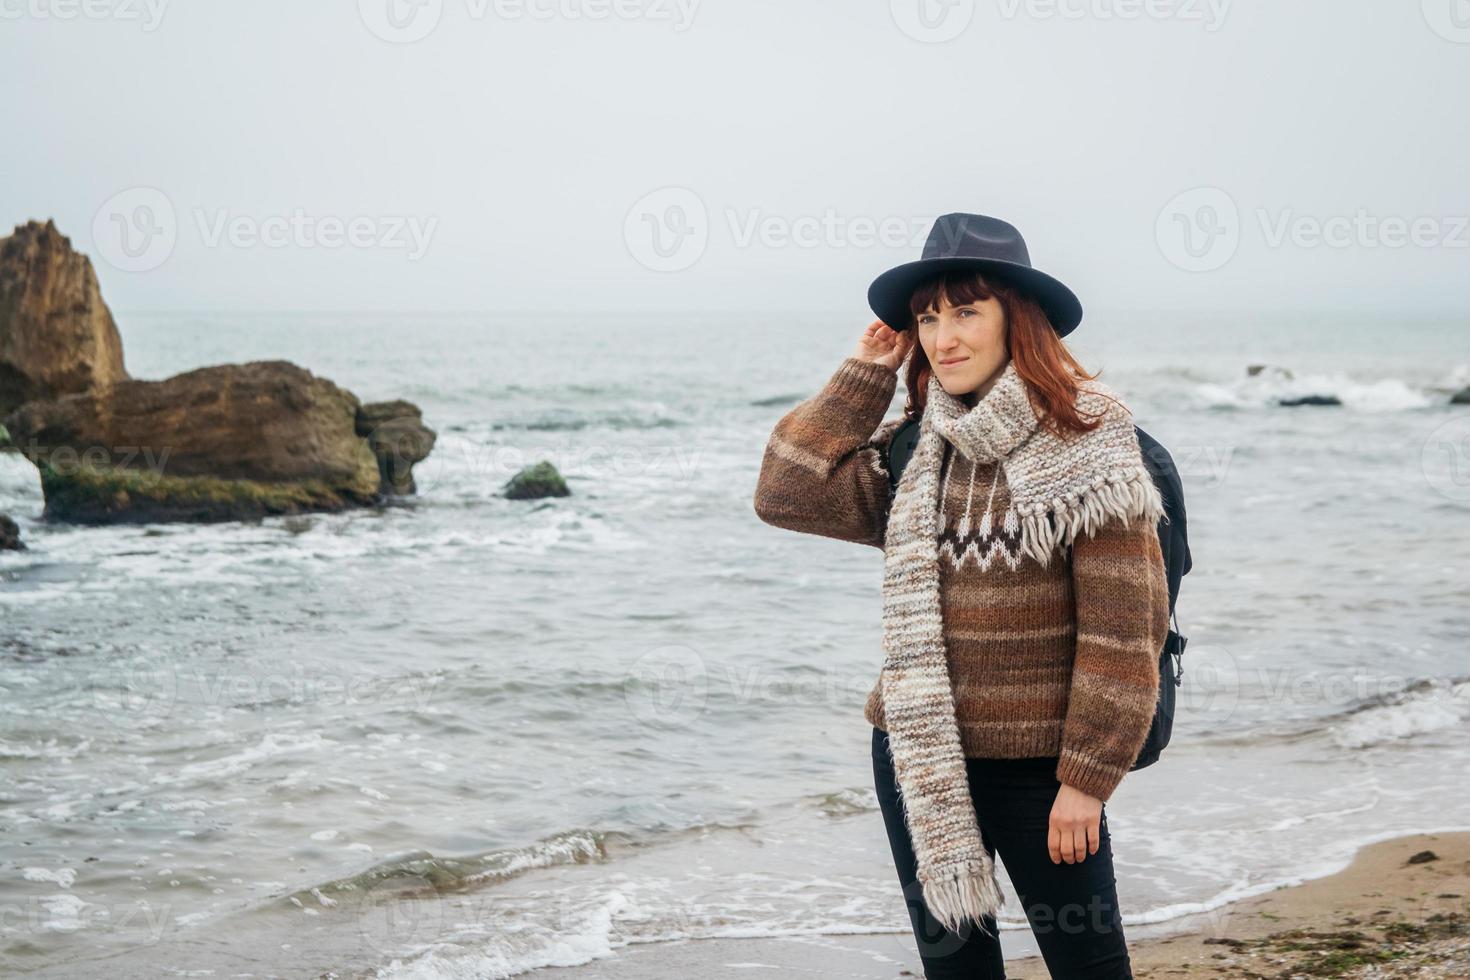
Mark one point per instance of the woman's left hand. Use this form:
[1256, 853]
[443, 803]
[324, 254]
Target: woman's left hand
[1074, 831]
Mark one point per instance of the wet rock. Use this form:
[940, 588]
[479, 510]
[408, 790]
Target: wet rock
[1309, 400]
[396, 434]
[10, 535]
[1461, 397]
[533, 482]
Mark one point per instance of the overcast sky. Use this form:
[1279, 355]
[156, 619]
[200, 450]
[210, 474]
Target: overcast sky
[644, 155]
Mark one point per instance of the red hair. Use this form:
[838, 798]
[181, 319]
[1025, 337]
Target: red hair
[1051, 373]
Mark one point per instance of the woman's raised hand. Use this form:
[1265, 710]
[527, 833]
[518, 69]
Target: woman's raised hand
[881, 345]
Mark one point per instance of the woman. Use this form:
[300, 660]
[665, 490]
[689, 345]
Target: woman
[1024, 596]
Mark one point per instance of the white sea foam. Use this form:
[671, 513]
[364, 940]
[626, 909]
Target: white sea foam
[1438, 708]
[271, 745]
[66, 912]
[1267, 389]
[64, 877]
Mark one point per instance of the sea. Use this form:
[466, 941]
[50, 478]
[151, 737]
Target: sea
[460, 736]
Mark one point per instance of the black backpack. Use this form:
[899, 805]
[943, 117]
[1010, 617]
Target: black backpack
[1173, 542]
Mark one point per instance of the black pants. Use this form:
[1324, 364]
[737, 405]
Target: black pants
[1072, 908]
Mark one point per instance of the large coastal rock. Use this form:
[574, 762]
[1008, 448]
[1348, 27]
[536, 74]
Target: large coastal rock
[57, 336]
[226, 442]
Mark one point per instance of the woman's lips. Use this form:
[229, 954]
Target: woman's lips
[958, 360]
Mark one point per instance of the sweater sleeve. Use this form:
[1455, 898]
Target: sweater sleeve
[824, 471]
[1122, 600]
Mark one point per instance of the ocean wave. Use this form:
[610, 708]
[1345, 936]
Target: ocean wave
[1426, 707]
[1271, 387]
[655, 417]
[421, 871]
[845, 802]
[773, 401]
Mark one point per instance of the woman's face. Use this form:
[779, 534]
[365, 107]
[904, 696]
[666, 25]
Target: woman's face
[965, 344]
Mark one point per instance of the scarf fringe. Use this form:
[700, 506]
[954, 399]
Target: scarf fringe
[968, 890]
[1057, 526]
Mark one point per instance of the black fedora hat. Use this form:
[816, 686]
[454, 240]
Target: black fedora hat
[983, 244]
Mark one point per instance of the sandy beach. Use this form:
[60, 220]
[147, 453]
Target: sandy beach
[1400, 909]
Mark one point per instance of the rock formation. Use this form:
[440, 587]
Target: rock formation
[396, 433]
[218, 443]
[226, 442]
[535, 482]
[10, 535]
[57, 337]
[1300, 400]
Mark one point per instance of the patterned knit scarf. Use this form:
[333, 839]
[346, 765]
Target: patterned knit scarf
[1059, 486]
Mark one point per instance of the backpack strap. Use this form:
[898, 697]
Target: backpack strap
[900, 449]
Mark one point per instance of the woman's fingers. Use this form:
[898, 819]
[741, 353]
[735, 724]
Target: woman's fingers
[878, 336]
[1070, 842]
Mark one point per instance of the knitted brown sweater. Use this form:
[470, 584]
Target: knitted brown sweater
[1044, 661]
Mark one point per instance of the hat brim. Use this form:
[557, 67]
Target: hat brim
[889, 294]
